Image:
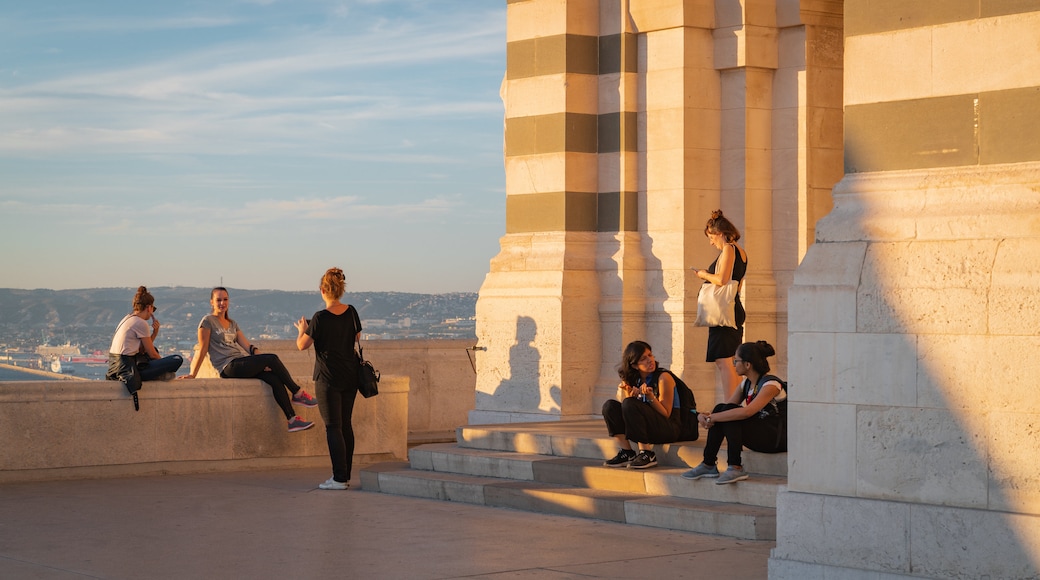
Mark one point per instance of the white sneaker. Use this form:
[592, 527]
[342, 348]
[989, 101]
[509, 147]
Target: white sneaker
[333, 484]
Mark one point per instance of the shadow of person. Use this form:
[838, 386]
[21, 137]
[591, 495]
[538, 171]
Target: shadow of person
[522, 391]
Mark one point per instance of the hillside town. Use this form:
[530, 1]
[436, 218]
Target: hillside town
[70, 331]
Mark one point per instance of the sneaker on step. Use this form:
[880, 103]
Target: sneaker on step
[643, 460]
[732, 474]
[702, 470]
[622, 459]
[331, 483]
[303, 399]
[298, 424]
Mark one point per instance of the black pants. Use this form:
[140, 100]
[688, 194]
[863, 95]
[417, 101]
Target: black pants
[639, 422]
[336, 404]
[756, 434]
[278, 378]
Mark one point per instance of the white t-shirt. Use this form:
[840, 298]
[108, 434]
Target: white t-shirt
[129, 333]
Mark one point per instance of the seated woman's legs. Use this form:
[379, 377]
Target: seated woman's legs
[615, 422]
[278, 390]
[616, 429]
[155, 369]
[254, 367]
[250, 367]
[728, 430]
[646, 426]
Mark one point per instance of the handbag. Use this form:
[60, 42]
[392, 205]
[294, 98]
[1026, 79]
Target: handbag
[368, 376]
[716, 305]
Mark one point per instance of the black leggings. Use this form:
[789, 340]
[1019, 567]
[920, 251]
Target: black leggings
[277, 377]
[756, 434]
[639, 422]
[337, 410]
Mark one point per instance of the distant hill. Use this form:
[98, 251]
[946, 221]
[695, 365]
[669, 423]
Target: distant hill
[89, 316]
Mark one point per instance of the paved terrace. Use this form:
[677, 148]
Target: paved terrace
[277, 524]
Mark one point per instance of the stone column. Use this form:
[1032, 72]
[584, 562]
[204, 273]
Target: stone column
[537, 312]
[912, 318]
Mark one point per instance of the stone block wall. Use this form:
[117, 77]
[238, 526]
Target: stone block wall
[77, 429]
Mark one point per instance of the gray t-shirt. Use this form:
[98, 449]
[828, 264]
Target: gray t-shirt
[223, 343]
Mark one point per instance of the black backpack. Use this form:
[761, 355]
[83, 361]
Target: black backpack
[773, 409]
[688, 408]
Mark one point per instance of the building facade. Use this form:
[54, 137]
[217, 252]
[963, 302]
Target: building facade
[626, 124]
[882, 159]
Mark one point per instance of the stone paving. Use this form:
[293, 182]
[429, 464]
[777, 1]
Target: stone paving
[278, 524]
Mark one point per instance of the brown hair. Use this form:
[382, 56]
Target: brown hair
[718, 224]
[143, 299]
[333, 283]
[629, 359]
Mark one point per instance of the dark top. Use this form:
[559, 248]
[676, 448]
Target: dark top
[335, 363]
[724, 340]
[739, 266]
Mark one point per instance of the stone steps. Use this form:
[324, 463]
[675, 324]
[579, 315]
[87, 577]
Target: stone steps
[558, 468]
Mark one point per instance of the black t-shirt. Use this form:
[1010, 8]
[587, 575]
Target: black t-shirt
[334, 360]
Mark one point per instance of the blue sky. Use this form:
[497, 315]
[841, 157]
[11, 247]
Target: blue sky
[257, 143]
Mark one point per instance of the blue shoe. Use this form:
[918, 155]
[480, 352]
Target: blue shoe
[303, 399]
[298, 424]
[700, 471]
[732, 474]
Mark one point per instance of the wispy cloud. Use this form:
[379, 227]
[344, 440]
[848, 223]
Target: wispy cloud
[187, 125]
[250, 88]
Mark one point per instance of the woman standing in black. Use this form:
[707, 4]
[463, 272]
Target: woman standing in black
[333, 332]
[730, 265]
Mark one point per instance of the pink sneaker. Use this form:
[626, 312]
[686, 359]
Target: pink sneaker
[304, 400]
[298, 424]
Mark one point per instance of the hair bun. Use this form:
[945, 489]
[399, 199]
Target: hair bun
[716, 214]
[766, 348]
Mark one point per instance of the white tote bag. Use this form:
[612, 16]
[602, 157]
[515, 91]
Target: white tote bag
[716, 305]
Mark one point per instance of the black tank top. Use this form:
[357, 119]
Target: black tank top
[739, 265]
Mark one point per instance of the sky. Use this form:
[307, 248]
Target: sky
[251, 143]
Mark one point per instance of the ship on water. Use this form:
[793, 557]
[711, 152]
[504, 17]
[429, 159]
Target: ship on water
[94, 358]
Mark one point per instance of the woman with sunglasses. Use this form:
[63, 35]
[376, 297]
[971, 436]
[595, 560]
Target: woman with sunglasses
[752, 418]
[132, 358]
[235, 357]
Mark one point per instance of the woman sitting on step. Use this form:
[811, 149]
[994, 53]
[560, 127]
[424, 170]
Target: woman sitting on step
[649, 409]
[754, 417]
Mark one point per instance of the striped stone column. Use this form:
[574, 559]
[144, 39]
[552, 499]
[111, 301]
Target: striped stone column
[538, 307]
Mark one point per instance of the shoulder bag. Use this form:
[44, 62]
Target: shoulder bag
[368, 376]
[716, 305]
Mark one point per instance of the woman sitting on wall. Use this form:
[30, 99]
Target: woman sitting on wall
[754, 417]
[235, 357]
[132, 358]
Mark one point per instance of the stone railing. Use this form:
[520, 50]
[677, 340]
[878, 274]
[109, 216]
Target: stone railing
[75, 429]
[79, 429]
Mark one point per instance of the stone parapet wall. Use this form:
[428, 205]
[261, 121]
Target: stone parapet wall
[70, 430]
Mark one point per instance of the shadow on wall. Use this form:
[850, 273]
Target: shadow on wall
[522, 388]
